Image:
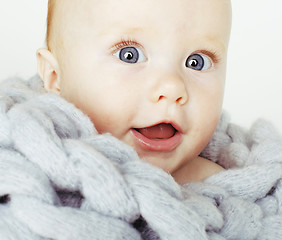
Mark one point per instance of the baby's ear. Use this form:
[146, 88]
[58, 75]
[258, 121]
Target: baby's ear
[48, 70]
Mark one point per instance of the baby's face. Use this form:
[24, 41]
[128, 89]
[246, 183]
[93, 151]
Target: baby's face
[151, 73]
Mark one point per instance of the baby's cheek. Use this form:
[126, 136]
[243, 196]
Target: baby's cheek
[106, 122]
[203, 137]
[103, 124]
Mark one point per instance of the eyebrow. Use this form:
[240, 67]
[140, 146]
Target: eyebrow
[134, 30]
[220, 44]
[124, 31]
[210, 41]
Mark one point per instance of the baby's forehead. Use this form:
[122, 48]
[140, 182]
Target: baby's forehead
[72, 16]
[76, 7]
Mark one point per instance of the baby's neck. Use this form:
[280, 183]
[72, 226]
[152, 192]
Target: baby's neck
[196, 170]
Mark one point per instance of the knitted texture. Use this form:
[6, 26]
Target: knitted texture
[61, 180]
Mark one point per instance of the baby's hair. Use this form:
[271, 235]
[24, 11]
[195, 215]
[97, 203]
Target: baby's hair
[51, 4]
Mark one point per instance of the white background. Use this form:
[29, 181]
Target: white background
[254, 76]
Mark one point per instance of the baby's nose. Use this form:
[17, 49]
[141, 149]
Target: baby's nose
[169, 87]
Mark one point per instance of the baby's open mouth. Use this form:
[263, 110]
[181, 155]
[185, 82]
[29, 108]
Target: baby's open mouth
[159, 131]
[160, 137]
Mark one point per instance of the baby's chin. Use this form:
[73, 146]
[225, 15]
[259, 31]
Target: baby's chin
[165, 161]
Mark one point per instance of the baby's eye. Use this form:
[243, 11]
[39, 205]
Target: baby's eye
[198, 62]
[130, 55]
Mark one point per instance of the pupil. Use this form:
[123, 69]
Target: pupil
[128, 55]
[194, 63]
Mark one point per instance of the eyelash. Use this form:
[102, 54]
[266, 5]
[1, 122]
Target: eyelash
[130, 42]
[125, 43]
[211, 54]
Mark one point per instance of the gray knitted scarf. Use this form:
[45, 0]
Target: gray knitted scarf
[61, 180]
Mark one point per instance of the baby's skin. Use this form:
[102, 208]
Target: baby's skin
[151, 73]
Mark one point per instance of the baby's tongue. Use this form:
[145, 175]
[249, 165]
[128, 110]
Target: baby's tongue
[160, 131]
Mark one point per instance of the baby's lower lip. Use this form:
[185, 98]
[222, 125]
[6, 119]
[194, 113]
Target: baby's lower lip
[165, 145]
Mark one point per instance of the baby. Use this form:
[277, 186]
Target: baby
[151, 73]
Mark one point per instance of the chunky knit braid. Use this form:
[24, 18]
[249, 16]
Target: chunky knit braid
[59, 179]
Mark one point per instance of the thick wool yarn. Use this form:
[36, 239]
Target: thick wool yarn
[61, 180]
